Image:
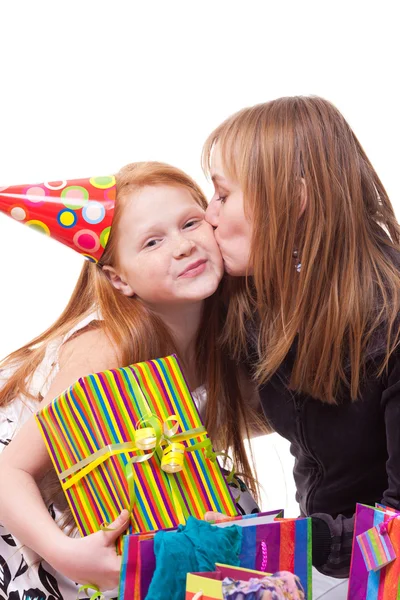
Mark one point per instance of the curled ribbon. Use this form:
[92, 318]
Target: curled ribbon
[97, 594]
[157, 435]
[383, 527]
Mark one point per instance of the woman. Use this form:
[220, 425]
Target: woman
[310, 239]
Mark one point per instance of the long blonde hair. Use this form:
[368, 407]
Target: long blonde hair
[139, 335]
[346, 295]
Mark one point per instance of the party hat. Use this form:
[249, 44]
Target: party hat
[77, 213]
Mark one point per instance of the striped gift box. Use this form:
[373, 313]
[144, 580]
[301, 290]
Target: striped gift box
[90, 434]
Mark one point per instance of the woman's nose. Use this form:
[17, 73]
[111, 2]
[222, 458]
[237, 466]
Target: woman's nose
[212, 213]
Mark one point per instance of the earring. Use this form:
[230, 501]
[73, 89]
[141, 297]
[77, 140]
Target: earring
[297, 261]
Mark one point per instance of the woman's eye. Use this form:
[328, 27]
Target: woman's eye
[221, 199]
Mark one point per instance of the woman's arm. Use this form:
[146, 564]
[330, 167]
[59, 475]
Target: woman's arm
[25, 461]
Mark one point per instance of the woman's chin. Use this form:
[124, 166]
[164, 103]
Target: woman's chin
[235, 270]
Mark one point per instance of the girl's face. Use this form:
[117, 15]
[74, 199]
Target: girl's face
[167, 251]
[225, 213]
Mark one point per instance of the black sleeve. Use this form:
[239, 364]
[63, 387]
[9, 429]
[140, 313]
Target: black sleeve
[332, 541]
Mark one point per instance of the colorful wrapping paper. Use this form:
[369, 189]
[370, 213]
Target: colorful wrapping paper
[97, 417]
[382, 584]
[268, 546]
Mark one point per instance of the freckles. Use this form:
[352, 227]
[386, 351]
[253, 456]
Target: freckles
[206, 239]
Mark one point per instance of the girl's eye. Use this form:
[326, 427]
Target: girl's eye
[191, 223]
[151, 243]
[221, 199]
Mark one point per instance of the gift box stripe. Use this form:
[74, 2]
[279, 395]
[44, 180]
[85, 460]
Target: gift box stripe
[116, 475]
[97, 508]
[80, 446]
[163, 496]
[144, 479]
[287, 547]
[68, 455]
[172, 385]
[188, 490]
[150, 480]
[119, 381]
[303, 560]
[158, 369]
[374, 576]
[249, 543]
[52, 444]
[120, 426]
[104, 438]
[85, 445]
[273, 542]
[209, 483]
[190, 458]
[157, 482]
[83, 395]
[385, 548]
[79, 510]
[391, 578]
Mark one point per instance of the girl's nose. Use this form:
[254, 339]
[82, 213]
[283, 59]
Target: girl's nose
[183, 247]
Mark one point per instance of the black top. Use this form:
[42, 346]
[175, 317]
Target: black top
[344, 454]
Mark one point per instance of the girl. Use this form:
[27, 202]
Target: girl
[308, 234]
[154, 291]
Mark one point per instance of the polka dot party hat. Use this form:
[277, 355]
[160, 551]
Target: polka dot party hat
[77, 213]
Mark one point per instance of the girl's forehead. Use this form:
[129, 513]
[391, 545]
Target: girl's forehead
[154, 205]
[163, 196]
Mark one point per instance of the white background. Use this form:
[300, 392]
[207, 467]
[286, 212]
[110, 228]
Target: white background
[88, 86]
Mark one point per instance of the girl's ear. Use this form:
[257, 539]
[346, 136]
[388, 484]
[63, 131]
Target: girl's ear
[117, 281]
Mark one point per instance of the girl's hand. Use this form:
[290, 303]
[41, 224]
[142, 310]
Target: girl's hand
[92, 560]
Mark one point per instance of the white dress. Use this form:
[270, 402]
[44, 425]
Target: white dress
[23, 574]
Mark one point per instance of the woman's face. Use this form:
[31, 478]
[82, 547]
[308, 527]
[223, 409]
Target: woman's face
[167, 251]
[225, 213]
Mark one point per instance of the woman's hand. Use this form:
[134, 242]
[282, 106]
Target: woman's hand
[92, 560]
[216, 517]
